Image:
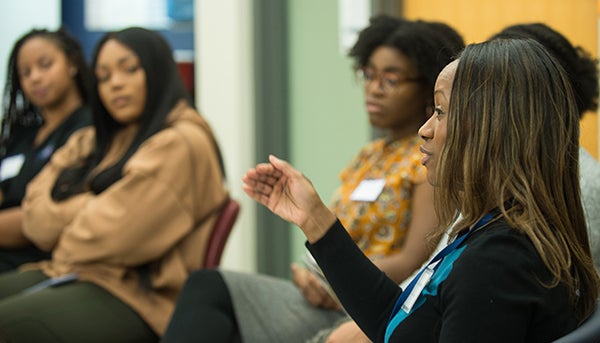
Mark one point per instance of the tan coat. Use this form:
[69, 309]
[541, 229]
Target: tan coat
[171, 183]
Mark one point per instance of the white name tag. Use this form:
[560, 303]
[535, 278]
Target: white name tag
[368, 190]
[418, 288]
[11, 166]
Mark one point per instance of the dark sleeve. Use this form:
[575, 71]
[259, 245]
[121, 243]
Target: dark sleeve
[36, 158]
[366, 293]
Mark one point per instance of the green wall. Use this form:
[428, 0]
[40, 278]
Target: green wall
[328, 123]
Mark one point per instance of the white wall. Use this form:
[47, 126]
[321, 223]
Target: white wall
[18, 17]
[223, 64]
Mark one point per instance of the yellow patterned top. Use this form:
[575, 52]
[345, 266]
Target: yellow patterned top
[379, 227]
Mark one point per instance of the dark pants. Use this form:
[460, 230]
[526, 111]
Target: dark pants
[204, 312]
[11, 259]
[72, 312]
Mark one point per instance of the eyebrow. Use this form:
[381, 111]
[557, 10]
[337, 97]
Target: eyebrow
[388, 68]
[441, 93]
[121, 60]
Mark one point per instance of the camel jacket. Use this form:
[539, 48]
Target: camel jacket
[141, 237]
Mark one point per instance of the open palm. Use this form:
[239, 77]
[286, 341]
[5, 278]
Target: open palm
[287, 193]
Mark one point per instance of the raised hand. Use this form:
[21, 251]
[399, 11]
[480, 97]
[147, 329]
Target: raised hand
[290, 195]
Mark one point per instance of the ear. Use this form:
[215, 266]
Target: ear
[72, 71]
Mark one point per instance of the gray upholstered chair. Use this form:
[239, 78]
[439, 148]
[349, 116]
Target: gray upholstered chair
[588, 332]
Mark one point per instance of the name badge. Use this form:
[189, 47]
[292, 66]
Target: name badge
[11, 166]
[418, 288]
[368, 190]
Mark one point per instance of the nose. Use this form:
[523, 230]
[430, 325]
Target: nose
[35, 74]
[374, 86]
[426, 131]
[115, 80]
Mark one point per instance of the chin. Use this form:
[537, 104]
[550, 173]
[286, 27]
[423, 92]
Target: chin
[125, 119]
[125, 115]
[376, 122]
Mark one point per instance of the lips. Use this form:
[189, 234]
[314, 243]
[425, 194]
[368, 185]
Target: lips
[426, 155]
[40, 92]
[120, 101]
[374, 108]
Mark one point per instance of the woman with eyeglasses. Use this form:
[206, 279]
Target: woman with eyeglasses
[384, 201]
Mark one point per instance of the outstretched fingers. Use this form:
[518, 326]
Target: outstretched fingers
[284, 190]
[260, 183]
[252, 193]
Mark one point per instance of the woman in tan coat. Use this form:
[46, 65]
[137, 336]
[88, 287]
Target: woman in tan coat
[126, 207]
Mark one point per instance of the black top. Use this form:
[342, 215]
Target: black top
[487, 290]
[35, 158]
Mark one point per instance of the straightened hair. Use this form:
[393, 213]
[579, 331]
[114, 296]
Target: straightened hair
[164, 89]
[512, 143]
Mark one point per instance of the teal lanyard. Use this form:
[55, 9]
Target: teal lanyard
[395, 317]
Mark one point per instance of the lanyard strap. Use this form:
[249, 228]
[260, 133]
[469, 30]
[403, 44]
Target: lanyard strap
[394, 317]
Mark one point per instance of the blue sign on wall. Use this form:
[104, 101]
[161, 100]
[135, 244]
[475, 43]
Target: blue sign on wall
[180, 10]
[181, 37]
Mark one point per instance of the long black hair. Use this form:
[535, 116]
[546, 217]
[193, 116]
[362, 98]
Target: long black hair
[18, 112]
[164, 88]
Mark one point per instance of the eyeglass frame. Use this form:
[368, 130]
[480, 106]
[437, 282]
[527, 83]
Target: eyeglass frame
[386, 87]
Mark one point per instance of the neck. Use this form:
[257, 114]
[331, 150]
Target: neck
[56, 114]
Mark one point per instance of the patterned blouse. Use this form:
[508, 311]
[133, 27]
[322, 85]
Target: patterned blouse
[379, 227]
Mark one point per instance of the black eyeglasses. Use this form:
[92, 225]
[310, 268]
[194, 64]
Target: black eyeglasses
[388, 81]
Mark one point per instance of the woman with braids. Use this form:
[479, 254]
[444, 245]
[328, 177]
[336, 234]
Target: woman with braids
[582, 70]
[501, 150]
[397, 62]
[125, 206]
[45, 102]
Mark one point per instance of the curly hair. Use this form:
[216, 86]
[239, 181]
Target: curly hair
[580, 66]
[429, 45]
